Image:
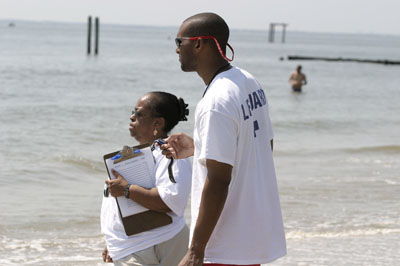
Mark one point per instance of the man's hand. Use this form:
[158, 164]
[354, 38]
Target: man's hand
[106, 256]
[116, 186]
[179, 146]
[191, 259]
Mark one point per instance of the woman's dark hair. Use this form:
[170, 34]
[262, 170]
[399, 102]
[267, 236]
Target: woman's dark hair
[169, 107]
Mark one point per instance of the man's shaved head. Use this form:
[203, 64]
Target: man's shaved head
[205, 24]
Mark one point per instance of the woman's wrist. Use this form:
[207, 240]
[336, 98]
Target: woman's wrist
[127, 191]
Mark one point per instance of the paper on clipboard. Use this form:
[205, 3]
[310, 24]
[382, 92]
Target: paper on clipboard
[136, 164]
[138, 170]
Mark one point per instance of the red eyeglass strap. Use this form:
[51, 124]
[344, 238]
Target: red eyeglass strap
[218, 46]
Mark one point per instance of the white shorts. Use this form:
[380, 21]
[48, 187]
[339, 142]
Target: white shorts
[168, 253]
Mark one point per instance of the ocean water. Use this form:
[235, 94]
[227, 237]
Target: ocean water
[337, 144]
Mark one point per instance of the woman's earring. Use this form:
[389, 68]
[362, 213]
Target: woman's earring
[155, 132]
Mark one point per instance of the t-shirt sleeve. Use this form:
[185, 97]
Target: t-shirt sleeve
[219, 134]
[174, 195]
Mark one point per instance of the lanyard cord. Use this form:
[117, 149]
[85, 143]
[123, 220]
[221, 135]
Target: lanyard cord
[216, 73]
[170, 173]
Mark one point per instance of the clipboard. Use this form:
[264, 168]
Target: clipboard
[142, 221]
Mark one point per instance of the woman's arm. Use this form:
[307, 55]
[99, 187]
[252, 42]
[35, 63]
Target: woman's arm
[148, 198]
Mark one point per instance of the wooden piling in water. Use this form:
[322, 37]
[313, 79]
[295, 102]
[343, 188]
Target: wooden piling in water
[271, 35]
[96, 36]
[271, 32]
[89, 34]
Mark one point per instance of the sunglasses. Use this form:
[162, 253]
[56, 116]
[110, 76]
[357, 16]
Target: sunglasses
[178, 42]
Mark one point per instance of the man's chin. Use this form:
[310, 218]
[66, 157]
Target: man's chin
[186, 69]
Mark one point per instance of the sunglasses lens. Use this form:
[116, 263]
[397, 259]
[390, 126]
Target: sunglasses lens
[178, 42]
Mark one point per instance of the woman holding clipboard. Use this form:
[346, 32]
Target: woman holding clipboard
[154, 116]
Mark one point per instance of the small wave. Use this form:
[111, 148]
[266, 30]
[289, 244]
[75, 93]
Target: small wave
[82, 162]
[341, 234]
[53, 251]
[373, 149]
[390, 182]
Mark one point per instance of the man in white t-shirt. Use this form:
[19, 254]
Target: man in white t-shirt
[236, 215]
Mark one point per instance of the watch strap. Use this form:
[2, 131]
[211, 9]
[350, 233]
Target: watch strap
[127, 193]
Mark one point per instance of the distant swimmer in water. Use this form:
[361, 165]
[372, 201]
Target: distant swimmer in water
[297, 79]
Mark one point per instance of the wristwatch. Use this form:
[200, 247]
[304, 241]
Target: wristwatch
[127, 191]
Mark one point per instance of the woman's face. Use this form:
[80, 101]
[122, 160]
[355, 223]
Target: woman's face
[142, 124]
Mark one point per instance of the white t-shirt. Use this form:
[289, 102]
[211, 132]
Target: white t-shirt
[232, 126]
[174, 195]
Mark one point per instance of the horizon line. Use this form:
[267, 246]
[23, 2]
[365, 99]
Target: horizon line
[12, 20]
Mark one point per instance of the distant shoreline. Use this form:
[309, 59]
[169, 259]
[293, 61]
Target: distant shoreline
[83, 22]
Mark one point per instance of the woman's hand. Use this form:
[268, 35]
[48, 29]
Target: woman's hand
[179, 146]
[116, 186]
[106, 256]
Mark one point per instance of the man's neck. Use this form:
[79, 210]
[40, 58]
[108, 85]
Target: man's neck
[210, 72]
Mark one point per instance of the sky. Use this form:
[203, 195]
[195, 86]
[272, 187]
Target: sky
[347, 16]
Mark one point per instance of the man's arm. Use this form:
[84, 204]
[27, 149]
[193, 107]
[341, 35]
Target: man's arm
[291, 77]
[213, 199]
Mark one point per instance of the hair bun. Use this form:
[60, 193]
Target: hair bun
[183, 110]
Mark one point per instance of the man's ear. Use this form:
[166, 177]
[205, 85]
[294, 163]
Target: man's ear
[198, 43]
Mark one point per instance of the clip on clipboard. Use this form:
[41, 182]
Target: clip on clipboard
[142, 221]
